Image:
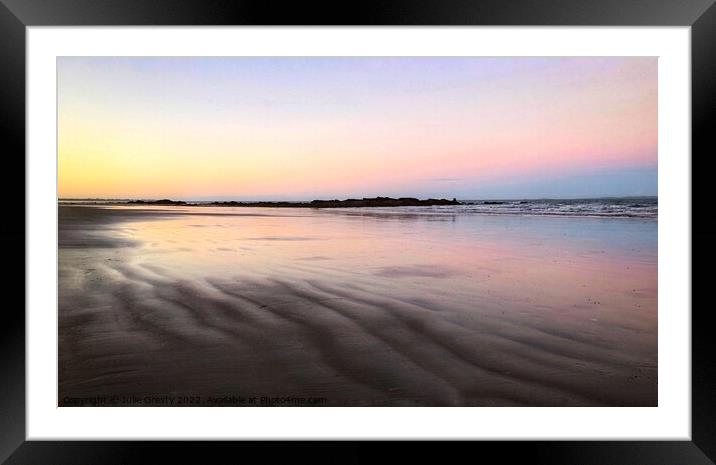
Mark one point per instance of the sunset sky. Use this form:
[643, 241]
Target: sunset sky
[305, 128]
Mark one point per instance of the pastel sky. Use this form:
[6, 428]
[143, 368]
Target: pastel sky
[303, 128]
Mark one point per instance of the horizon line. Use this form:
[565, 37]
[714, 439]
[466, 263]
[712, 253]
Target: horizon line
[227, 199]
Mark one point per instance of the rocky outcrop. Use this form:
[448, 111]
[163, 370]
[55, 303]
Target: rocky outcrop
[348, 203]
[157, 202]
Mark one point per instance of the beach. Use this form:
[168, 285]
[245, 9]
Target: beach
[234, 306]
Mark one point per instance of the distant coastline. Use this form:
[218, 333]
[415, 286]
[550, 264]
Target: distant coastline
[335, 203]
[604, 207]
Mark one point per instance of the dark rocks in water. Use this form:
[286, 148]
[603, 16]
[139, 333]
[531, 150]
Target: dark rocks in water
[348, 203]
[157, 202]
[233, 203]
[335, 203]
[382, 202]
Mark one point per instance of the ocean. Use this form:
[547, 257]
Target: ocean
[632, 207]
[622, 207]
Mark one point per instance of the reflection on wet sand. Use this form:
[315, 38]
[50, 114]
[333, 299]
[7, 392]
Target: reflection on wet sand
[356, 308]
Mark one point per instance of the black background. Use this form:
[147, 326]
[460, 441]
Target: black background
[15, 15]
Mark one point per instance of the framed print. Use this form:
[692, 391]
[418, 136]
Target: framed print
[431, 222]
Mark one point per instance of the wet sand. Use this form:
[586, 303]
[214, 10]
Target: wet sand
[161, 305]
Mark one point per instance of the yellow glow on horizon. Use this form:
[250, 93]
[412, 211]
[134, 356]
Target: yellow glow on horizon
[141, 130]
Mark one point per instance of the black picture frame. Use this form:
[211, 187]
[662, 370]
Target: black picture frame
[16, 15]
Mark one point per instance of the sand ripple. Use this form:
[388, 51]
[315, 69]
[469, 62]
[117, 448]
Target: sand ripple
[132, 327]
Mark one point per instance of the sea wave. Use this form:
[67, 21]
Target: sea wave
[610, 208]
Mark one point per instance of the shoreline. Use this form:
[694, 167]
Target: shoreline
[365, 202]
[487, 213]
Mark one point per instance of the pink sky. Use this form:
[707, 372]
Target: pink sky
[299, 128]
